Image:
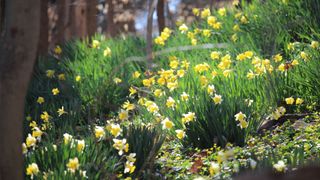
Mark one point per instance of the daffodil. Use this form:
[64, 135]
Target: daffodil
[121, 145]
[277, 58]
[183, 28]
[289, 100]
[40, 100]
[73, 165]
[32, 170]
[132, 91]
[217, 99]
[240, 116]
[129, 167]
[55, 91]
[184, 96]
[107, 52]
[222, 11]
[214, 168]
[211, 89]
[62, 77]
[299, 101]
[180, 133]
[117, 80]
[80, 145]
[128, 106]
[99, 132]
[205, 13]
[314, 44]
[280, 166]
[45, 116]
[50, 73]
[171, 103]
[57, 50]
[167, 124]
[61, 111]
[67, 138]
[123, 115]
[215, 55]
[136, 74]
[78, 78]
[30, 141]
[196, 11]
[95, 44]
[190, 116]
[115, 129]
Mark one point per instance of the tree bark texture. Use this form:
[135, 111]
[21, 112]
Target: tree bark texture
[44, 29]
[18, 48]
[161, 16]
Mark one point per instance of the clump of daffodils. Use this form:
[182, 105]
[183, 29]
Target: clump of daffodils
[165, 34]
[242, 120]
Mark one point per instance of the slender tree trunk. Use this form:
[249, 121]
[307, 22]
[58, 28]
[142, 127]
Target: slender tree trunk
[44, 29]
[1, 15]
[152, 6]
[92, 12]
[59, 36]
[111, 31]
[161, 16]
[18, 48]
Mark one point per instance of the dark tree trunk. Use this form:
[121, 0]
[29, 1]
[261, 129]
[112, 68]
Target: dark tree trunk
[18, 48]
[44, 29]
[161, 16]
[92, 12]
[1, 15]
[111, 31]
[59, 37]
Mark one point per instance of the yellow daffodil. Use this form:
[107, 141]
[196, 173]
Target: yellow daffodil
[95, 44]
[32, 170]
[99, 132]
[55, 91]
[217, 99]
[123, 115]
[299, 101]
[30, 141]
[121, 145]
[40, 100]
[240, 116]
[167, 124]
[73, 165]
[80, 145]
[67, 138]
[57, 50]
[107, 52]
[289, 100]
[61, 111]
[180, 133]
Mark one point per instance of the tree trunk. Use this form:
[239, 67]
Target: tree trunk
[1, 15]
[44, 29]
[160, 14]
[152, 6]
[80, 22]
[110, 19]
[18, 48]
[92, 12]
[59, 37]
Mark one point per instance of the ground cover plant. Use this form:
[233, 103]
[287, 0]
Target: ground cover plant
[203, 110]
